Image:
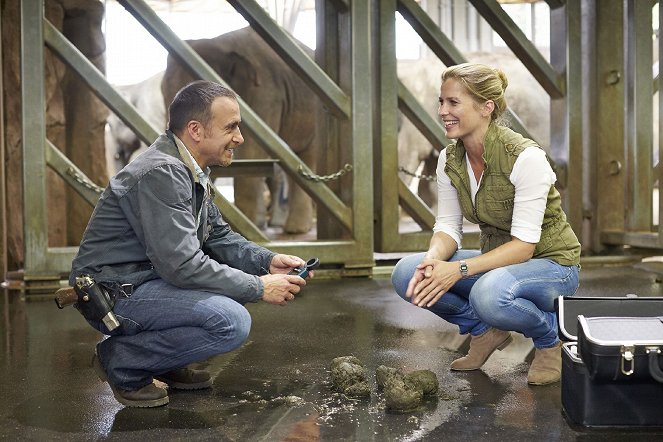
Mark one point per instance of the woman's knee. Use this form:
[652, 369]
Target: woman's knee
[397, 280]
[487, 298]
[403, 272]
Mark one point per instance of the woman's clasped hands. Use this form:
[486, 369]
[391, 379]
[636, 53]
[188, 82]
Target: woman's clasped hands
[432, 279]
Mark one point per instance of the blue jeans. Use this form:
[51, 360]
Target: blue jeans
[517, 297]
[164, 327]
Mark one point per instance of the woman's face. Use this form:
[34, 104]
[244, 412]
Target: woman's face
[460, 114]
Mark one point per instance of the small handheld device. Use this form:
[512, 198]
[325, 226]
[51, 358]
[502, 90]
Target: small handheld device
[303, 272]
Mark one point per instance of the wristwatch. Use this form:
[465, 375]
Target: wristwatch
[463, 270]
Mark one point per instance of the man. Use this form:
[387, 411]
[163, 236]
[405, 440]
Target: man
[157, 231]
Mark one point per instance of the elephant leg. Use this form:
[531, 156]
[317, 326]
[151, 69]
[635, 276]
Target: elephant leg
[300, 213]
[250, 191]
[412, 147]
[300, 205]
[278, 204]
[250, 199]
[428, 189]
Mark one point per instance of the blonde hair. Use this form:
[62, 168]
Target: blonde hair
[482, 82]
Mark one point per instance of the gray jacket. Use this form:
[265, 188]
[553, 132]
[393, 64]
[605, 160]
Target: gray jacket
[155, 221]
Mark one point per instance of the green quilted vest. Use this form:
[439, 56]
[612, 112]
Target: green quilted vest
[494, 199]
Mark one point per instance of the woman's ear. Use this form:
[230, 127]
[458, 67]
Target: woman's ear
[488, 108]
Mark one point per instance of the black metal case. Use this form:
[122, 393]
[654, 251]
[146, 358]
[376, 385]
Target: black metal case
[599, 403]
[621, 348]
[568, 309]
[590, 396]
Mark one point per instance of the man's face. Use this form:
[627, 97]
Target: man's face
[222, 135]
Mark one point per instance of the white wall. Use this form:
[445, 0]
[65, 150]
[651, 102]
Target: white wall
[133, 55]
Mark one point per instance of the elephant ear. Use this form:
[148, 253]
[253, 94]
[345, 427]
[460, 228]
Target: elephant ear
[240, 70]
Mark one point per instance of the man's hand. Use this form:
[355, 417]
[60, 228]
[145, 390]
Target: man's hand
[285, 264]
[280, 288]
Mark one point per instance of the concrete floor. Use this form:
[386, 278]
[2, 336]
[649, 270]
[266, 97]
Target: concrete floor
[276, 387]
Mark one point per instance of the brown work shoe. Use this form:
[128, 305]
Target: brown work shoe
[547, 366]
[186, 379]
[147, 397]
[481, 347]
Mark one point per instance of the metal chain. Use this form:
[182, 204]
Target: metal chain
[416, 175]
[83, 182]
[334, 176]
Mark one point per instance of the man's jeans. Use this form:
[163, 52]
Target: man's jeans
[518, 297]
[165, 327]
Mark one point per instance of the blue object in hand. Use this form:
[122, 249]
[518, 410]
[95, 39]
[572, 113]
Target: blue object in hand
[303, 272]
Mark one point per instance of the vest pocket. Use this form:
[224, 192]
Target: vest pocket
[491, 240]
[544, 245]
[498, 202]
[501, 210]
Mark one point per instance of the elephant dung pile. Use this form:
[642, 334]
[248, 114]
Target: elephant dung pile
[402, 392]
[349, 377]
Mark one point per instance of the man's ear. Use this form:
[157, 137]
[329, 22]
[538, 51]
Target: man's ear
[195, 130]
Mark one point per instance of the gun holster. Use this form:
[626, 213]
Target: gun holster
[94, 302]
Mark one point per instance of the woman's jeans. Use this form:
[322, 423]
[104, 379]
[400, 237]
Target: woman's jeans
[518, 297]
[164, 327]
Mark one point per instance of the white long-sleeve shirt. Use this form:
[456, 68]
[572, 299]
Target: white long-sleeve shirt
[531, 176]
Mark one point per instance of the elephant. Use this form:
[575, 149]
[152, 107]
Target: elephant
[122, 144]
[280, 98]
[525, 97]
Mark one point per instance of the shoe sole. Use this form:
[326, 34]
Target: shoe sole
[99, 370]
[543, 383]
[500, 347]
[185, 386]
[141, 404]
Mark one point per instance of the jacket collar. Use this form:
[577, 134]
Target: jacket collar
[190, 162]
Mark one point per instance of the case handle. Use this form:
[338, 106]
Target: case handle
[654, 367]
[627, 356]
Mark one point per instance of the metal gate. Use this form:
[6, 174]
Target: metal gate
[348, 101]
[393, 96]
[599, 79]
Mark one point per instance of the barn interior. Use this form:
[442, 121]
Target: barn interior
[355, 189]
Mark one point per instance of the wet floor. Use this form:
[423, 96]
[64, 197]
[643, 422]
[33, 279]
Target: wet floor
[277, 387]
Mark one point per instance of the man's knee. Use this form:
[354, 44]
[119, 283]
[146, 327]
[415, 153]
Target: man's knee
[232, 324]
[243, 325]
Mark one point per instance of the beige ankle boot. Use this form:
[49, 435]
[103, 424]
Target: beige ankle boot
[481, 347]
[547, 366]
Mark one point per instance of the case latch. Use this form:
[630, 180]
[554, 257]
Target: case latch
[627, 359]
[654, 367]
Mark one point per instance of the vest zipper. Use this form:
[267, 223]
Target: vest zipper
[468, 189]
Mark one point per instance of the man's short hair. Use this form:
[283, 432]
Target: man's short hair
[194, 102]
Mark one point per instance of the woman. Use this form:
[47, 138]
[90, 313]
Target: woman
[529, 254]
